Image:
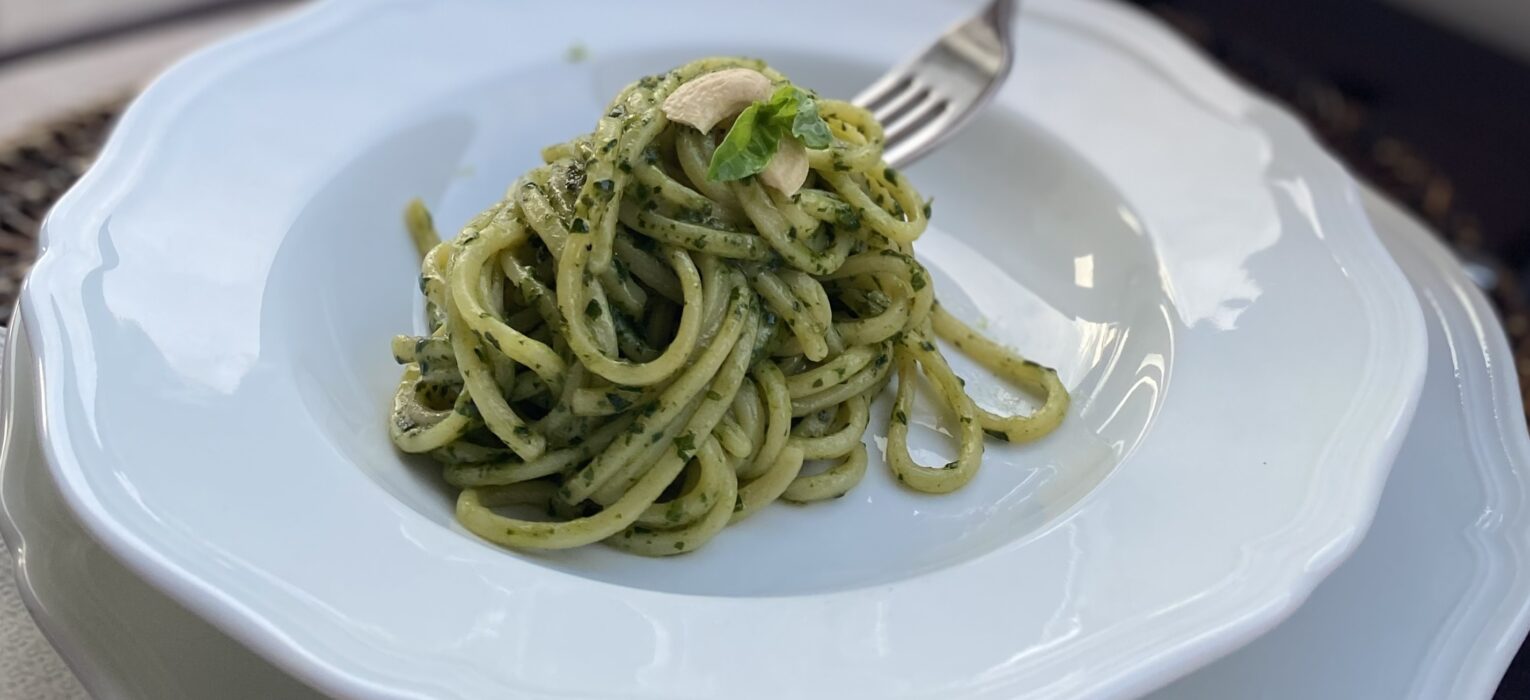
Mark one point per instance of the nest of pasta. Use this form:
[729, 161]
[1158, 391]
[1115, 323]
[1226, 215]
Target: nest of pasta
[640, 354]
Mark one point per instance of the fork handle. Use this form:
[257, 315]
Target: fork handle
[1001, 14]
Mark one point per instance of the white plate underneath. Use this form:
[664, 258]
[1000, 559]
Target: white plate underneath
[1433, 604]
[1436, 600]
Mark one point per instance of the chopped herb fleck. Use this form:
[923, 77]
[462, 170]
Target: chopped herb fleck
[848, 219]
[685, 445]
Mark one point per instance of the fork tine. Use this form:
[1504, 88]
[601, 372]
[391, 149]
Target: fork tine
[924, 101]
[903, 104]
[920, 127]
[886, 88]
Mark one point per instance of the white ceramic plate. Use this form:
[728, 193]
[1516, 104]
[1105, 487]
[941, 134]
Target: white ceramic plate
[1436, 601]
[1371, 630]
[124, 639]
[212, 310]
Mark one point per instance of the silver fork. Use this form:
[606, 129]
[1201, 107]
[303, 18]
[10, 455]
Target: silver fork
[924, 101]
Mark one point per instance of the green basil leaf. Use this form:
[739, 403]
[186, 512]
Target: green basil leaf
[809, 126]
[748, 147]
[782, 105]
[796, 112]
[757, 133]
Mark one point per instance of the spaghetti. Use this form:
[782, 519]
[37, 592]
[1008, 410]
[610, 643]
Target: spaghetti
[645, 353]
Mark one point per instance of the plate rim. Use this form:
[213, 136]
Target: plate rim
[1497, 429]
[132, 141]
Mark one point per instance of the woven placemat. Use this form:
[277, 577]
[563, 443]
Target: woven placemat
[35, 170]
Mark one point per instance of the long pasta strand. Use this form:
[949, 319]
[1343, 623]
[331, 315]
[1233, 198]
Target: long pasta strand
[624, 351]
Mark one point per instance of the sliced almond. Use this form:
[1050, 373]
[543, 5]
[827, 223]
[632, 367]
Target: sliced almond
[789, 168]
[706, 100]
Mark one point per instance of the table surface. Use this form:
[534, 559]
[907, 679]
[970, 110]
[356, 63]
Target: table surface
[1361, 115]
